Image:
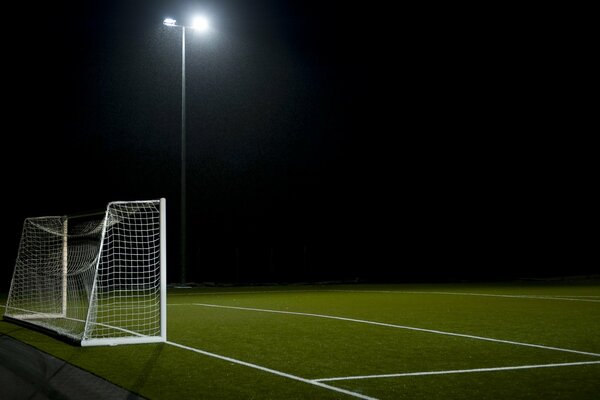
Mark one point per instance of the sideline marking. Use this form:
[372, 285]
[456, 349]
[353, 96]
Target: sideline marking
[253, 292]
[515, 296]
[412, 328]
[456, 371]
[271, 371]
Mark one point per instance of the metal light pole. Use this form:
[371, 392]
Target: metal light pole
[183, 162]
[200, 24]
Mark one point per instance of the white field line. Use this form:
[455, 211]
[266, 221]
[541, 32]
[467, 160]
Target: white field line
[456, 371]
[272, 371]
[412, 328]
[516, 296]
[252, 292]
[269, 370]
[578, 298]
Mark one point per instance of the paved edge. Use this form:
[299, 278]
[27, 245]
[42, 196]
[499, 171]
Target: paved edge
[28, 373]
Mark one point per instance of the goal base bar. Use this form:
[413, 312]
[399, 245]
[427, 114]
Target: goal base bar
[37, 316]
[30, 324]
[119, 341]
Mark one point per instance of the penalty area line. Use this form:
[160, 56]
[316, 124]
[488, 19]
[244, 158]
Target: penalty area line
[272, 371]
[456, 371]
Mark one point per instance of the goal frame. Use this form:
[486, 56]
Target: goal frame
[84, 341]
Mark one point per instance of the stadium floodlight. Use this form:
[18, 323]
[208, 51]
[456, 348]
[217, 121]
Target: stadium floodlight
[200, 24]
[97, 279]
[169, 22]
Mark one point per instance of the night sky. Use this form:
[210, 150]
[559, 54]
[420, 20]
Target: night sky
[326, 140]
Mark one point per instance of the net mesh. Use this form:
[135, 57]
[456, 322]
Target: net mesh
[91, 278]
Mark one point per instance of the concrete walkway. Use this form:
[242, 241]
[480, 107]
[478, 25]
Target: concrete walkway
[27, 373]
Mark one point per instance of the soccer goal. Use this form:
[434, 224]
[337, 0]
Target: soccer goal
[98, 279]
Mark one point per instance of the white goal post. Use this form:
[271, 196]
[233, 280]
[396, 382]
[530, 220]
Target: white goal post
[97, 279]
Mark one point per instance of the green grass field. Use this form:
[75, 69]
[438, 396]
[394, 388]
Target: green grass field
[487, 341]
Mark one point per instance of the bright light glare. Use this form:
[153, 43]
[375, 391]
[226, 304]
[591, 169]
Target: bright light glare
[200, 24]
[169, 22]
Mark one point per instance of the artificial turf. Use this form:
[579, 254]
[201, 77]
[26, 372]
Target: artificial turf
[564, 316]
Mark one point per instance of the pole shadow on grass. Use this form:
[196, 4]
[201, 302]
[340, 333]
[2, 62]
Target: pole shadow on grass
[147, 369]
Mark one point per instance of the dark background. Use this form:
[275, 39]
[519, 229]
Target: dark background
[326, 140]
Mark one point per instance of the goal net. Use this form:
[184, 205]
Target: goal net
[96, 279]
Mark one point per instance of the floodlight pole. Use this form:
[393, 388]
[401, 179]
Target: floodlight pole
[202, 25]
[183, 161]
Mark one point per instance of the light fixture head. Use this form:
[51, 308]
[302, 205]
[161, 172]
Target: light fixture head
[169, 22]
